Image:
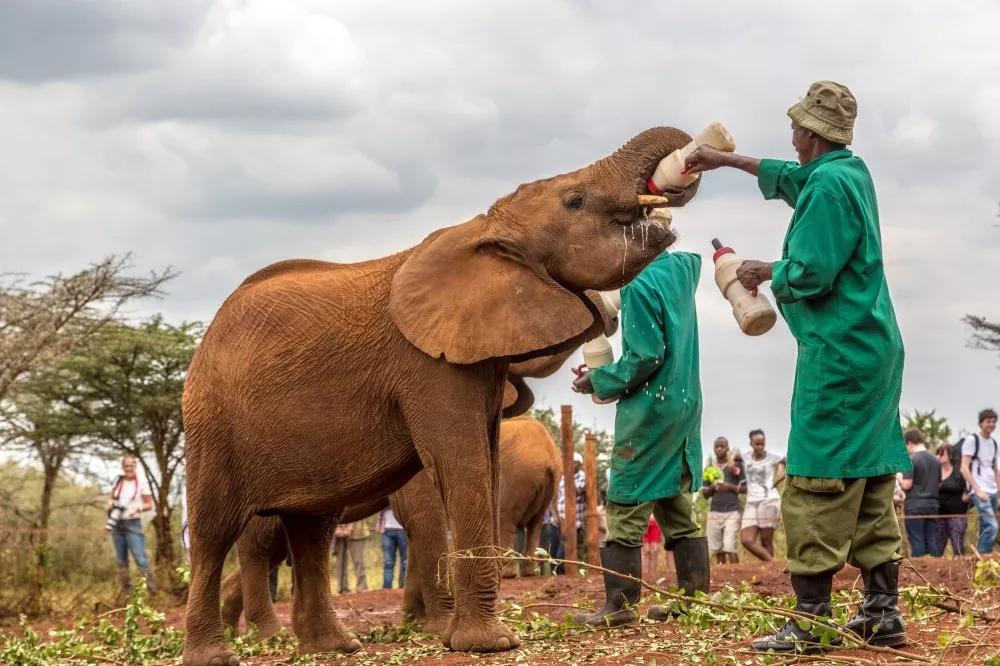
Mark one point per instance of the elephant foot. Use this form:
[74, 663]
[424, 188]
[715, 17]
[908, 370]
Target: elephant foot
[210, 655]
[530, 571]
[509, 571]
[346, 643]
[484, 635]
[267, 628]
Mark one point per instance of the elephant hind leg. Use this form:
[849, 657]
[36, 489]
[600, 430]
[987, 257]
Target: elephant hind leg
[315, 623]
[507, 539]
[532, 537]
[204, 643]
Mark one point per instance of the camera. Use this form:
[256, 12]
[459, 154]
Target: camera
[115, 512]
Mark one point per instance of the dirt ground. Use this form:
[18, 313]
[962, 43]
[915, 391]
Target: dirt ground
[940, 639]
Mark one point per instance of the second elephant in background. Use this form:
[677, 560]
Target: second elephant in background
[530, 470]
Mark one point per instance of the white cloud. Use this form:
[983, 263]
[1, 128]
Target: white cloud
[218, 137]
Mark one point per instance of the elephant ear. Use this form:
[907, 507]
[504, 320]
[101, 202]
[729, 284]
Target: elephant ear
[517, 397]
[467, 295]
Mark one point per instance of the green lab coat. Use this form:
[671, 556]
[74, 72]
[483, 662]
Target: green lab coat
[658, 420]
[830, 287]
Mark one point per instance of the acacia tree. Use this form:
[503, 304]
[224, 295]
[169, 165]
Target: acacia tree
[43, 319]
[985, 334]
[36, 421]
[934, 428]
[130, 381]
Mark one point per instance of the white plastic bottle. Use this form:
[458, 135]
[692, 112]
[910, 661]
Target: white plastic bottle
[753, 312]
[598, 352]
[669, 171]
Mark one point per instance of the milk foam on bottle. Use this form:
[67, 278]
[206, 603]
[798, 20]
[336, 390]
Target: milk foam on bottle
[753, 312]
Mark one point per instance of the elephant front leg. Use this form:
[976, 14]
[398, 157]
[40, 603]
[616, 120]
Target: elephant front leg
[315, 623]
[467, 483]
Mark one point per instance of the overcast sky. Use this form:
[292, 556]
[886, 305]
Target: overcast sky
[217, 137]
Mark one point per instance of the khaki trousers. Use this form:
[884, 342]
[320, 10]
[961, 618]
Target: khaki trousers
[830, 522]
[356, 549]
[627, 523]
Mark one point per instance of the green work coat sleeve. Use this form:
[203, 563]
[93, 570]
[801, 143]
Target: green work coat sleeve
[819, 244]
[774, 181]
[643, 342]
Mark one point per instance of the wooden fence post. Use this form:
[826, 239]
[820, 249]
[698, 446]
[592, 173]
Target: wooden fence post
[569, 490]
[591, 520]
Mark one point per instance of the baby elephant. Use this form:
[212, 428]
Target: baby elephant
[318, 386]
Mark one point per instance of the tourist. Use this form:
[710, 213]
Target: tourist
[921, 487]
[953, 502]
[764, 473]
[349, 540]
[979, 467]
[723, 522]
[130, 498]
[393, 546]
[652, 543]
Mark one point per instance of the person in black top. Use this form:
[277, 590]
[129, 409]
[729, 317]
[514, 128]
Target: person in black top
[953, 503]
[723, 526]
[921, 486]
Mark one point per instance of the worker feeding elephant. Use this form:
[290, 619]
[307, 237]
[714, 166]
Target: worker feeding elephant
[845, 444]
[656, 461]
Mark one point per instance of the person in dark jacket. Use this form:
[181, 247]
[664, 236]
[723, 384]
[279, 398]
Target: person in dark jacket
[953, 503]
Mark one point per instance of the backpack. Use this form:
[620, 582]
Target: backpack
[975, 454]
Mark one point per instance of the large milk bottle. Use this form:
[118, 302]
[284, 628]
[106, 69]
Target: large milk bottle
[598, 352]
[753, 311]
[669, 170]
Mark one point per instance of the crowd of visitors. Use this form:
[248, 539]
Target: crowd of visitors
[936, 497]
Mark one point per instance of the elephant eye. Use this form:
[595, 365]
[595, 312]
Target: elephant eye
[574, 200]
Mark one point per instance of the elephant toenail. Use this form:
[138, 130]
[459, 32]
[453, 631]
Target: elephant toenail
[354, 645]
[234, 660]
[503, 644]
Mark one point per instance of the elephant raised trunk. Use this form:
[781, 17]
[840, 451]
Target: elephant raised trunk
[635, 162]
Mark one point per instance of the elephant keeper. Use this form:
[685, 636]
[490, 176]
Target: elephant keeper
[657, 452]
[845, 444]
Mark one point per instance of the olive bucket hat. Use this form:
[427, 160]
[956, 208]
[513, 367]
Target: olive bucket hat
[829, 109]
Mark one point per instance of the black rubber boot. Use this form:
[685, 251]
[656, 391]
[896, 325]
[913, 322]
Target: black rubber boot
[691, 560]
[621, 595]
[878, 621]
[812, 596]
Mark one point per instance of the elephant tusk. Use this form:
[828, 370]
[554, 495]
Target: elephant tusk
[652, 201]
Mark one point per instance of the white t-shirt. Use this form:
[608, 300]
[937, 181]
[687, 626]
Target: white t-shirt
[130, 494]
[760, 476]
[389, 521]
[983, 468]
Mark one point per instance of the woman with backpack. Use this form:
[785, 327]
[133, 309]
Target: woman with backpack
[953, 502]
